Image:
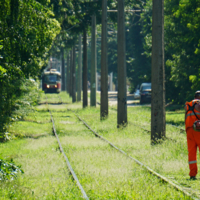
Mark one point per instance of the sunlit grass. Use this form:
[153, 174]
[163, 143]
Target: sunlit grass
[103, 172]
[46, 175]
[168, 158]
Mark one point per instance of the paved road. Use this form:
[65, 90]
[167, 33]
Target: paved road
[112, 98]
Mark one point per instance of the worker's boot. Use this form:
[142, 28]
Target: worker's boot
[193, 178]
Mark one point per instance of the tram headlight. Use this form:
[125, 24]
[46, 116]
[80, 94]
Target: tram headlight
[47, 86]
[55, 86]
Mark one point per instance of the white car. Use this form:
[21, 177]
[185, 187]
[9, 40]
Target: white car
[137, 94]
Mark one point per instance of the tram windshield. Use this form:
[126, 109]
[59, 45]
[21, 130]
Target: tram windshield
[51, 78]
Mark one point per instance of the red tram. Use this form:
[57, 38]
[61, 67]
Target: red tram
[51, 81]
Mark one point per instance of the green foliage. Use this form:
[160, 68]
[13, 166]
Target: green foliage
[26, 40]
[8, 170]
[2, 72]
[179, 51]
[181, 46]
[74, 17]
[31, 30]
[23, 95]
[29, 98]
[27, 31]
[138, 61]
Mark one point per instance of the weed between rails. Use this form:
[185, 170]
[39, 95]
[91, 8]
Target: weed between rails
[103, 172]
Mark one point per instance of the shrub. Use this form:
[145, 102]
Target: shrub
[8, 171]
[17, 100]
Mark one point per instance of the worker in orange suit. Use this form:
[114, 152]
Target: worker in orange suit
[192, 114]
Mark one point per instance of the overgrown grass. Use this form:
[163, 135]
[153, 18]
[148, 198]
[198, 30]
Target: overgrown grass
[103, 172]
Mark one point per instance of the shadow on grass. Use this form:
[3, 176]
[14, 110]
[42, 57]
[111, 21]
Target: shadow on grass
[21, 136]
[37, 122]
[174, 107]
[51, 103]
[175, 113]
[179, 123]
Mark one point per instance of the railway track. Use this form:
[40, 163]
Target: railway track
[62, 151]
[151, 171]
[166, 180]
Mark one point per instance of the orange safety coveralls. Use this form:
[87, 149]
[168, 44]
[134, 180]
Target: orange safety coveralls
[193, 137]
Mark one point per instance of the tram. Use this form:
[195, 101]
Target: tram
[51, 81]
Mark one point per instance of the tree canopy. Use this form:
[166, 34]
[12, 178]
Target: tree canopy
[31, 30]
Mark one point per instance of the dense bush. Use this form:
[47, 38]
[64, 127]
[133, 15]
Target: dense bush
[27, 31]
[18, 103]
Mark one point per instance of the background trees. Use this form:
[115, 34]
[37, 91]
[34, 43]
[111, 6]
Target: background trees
[181, 47]
[31, 30]
[28, 29]
[138, 53]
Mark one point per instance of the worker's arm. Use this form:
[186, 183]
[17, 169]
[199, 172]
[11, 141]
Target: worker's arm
[185, 111]
[197, 107]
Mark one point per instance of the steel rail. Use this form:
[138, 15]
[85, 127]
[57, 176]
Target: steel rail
[60, 99]
[67, 160]
[177, 187]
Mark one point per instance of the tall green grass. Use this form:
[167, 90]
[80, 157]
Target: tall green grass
[103, 172]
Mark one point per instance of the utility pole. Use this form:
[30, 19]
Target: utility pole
[79, 88]
[121, 67]
[74, 76]
[104, 63]
[63, 69]
[68, 71]
[158, 74]
[71, 66]
[93, 63]
[85, 96]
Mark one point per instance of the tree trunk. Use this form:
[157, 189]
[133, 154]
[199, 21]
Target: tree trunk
[121, 67]
[93, 64]
[85, 96]
[74, 76]
[68, 72]
[104, 63]
[70, 79]
[63, 70]
[79, 89]
[158, 74]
